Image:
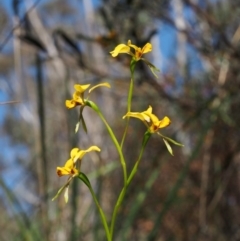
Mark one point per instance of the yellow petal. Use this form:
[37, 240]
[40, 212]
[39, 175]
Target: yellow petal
[69, 165]
[148, 111]
[132, 45]
[99, 85]
[81, 153]
[147, 48]
[73, 152]
[164, 122]
[77, 96]
[93, 148]
[154, 119]
[121, 48]
[70, 104]
[61, 171]
[81, 88]
[68, 169]
[142, 116]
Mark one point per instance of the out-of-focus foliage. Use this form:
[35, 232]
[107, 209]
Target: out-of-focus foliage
[55, 44]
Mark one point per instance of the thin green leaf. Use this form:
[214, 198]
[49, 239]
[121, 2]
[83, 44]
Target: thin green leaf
[84, 125]
[84, 178]
[60, 190]
[92, 105]
[77, 127]
[81, 119]
[151, 67]
[168, 146]
[171, 140]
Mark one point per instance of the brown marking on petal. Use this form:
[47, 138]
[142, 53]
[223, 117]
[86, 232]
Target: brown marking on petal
[138, 53]
[59, 172]
[72, 171]
[77, 103]
[155, 128]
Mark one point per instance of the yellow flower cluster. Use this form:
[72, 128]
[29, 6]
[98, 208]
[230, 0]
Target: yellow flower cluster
[153, 124]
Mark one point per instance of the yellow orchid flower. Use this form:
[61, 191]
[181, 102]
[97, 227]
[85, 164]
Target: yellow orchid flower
[78, 95]
[126, 49]
[154, 124]
[70, 168]
[140, 51]
[150, 120]
[136, 55]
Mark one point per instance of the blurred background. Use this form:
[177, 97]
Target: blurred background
[48, 46]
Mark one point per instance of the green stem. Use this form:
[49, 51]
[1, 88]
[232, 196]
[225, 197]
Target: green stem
[128, 110]
[134, 170]
[132, 174]
[130, 93]
[116, 208]
[114, 139]
[84, 178]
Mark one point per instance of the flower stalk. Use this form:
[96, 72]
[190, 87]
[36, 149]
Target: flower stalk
[72, 167]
